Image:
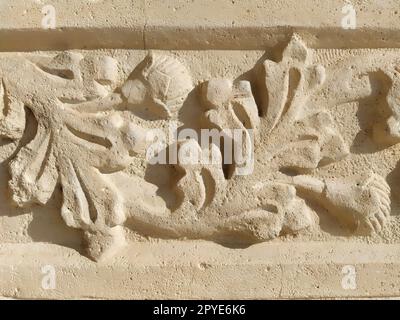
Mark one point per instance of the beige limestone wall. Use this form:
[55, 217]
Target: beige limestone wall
[110, 190]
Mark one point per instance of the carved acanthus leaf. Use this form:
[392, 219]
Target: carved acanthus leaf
[12, 122]
[288, 84]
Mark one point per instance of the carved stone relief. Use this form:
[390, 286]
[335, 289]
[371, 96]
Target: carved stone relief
[75, 126]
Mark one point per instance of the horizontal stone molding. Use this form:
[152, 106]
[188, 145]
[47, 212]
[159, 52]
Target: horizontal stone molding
[193, 270]
[224, 24]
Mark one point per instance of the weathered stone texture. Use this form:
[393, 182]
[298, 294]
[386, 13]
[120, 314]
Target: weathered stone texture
[91, 190]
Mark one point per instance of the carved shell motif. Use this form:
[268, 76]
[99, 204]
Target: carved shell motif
[162, 82]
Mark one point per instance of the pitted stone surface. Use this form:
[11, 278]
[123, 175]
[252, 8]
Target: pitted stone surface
[80, 150]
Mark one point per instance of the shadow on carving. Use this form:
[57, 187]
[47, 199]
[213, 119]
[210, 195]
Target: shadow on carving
[77, 143]
[372, 114]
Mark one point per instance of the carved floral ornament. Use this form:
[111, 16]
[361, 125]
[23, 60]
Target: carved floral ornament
[86, 136]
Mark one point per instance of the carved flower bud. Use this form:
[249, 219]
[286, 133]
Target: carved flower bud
[217, 92]
[135, 138]
[105, 70]
[134, 91]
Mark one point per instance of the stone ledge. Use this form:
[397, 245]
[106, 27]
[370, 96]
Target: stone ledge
[223, 24]
[197, 270]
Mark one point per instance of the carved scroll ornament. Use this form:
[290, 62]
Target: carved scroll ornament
[76, 133]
